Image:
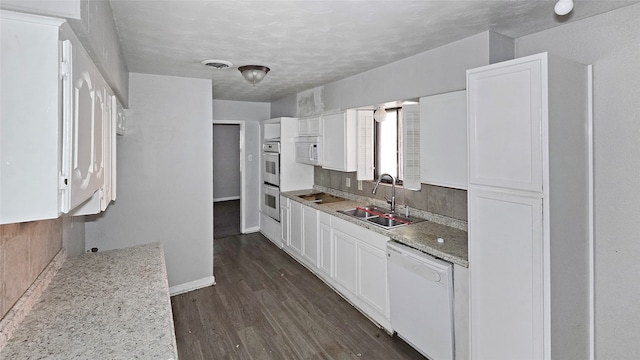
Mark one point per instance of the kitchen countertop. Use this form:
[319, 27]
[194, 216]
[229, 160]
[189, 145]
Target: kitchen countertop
[105, 305]
[422, 235]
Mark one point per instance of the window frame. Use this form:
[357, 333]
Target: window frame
[399, 148]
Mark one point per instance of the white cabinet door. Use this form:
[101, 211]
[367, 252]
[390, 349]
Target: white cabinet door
[443, 140]
[372, 277]
[310, 126]
[82, 182]
[505, 125]
[345, 256]
[310, 235]
[325, 245]
[30, 131]
[506, 276]
[284, 221]
[339, 141]
[294, 245]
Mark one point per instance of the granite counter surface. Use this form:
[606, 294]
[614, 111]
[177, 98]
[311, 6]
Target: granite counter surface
[105, 305]
[422, 235]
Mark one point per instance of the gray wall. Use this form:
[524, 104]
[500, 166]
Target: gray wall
[226, 161]
[240, 110]
[432, 72]
[165, 178]
[611, 42]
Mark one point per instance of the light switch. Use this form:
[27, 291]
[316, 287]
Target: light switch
[250, 157]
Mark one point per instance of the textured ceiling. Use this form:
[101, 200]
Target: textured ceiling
[309, 43]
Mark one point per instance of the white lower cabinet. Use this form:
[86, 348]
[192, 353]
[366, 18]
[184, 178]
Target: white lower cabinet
[294, 243]
[360, 269]
[350, 258]
[284, 221]
[345, 253]
[372, 277]
[309, 249]
[325, 244]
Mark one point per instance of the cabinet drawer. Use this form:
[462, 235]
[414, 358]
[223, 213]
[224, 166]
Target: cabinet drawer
[367, 236]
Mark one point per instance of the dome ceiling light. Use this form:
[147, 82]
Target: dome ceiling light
[254, 73]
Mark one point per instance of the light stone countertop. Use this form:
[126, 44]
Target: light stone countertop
[422, 235]
[106, 305]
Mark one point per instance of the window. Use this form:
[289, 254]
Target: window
[388, 146]
[391, 146]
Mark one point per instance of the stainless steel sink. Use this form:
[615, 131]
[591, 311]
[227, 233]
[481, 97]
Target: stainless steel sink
[389, 221]
[380, 217]
[364, 211]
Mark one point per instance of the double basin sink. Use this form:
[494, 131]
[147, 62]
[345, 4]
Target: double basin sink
[370, 213]
[379, 216]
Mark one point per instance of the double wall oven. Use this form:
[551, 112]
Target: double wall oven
[271, 179]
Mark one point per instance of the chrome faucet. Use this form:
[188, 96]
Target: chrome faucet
[392, 202]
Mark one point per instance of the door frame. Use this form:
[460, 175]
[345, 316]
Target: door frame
[243, 227]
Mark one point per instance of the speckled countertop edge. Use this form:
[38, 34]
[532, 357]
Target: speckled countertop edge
[422, 236]
[13, 319]
[106, 305]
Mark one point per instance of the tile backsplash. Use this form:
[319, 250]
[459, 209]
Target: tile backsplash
[25, 250]
[435, 199]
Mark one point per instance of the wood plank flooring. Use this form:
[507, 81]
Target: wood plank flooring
[267, 306]
[226, 218]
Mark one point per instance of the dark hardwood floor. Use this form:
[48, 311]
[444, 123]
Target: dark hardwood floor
[267, 306]
[226, 218]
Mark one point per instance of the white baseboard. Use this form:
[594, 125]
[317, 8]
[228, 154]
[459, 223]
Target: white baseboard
[226, 198]
[192, 285]
[251, 230]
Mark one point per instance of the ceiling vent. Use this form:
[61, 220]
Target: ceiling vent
[216, 64]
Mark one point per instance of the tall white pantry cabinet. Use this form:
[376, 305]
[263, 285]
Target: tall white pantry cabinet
[529, 209]
[57, 127]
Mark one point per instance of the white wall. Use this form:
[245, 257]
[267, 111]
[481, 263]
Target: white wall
[431, 72]
[240, 110]
[73, 235]
[611, 42]
[226, 161]
[165, 178]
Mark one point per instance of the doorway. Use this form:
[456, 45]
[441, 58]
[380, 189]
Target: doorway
[226, 179]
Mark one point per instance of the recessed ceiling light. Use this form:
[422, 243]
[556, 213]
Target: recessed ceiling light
[216, 64]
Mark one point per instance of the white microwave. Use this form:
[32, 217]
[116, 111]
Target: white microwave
[309, 150]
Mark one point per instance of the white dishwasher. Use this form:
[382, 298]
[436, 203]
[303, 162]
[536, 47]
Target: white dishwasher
[421, 300]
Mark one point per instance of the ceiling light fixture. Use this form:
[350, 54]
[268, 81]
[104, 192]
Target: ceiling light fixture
[563, 7]
[216, 64]
[254, 73]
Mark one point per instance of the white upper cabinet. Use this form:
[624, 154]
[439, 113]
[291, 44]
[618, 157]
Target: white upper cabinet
[54, 102]
[310, 126]
[505, 124]
[339, 145]
[443, 140]
[30, 122]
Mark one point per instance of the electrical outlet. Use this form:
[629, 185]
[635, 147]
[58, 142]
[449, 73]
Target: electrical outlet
[348, 182]
[360, 185]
